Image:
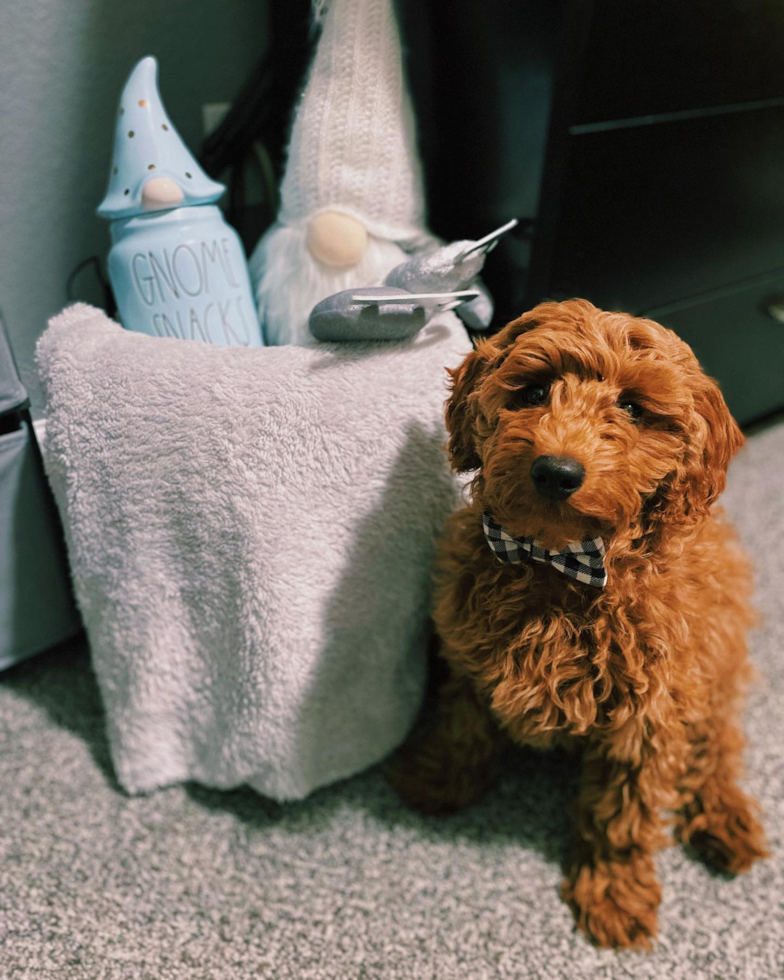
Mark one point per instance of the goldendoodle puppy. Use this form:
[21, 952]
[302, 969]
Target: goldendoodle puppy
[591, 595]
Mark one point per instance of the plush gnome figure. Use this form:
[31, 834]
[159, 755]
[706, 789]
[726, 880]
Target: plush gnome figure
[352, 203]
[349, 257]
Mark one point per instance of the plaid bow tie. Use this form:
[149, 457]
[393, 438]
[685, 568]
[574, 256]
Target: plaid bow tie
[580, 560]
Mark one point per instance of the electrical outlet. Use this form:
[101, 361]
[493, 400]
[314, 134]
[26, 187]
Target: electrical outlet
[212, 114]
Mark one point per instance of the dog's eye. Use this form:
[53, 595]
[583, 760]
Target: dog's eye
[534, 394]
[631, 408]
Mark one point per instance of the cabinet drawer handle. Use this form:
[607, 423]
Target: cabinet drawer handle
[774, 307]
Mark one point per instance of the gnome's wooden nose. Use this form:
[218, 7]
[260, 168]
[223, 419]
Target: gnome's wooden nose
[336, 239]
[160, 193]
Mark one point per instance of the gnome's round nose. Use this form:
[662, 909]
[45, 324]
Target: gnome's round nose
[336, 239]
[160, 193]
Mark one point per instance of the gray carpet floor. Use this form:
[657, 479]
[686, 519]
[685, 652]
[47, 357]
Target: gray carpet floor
[195, 883]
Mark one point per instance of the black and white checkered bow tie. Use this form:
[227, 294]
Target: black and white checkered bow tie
[580, 560]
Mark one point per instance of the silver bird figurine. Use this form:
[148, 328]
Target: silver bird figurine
[448, 268]
[380, 313]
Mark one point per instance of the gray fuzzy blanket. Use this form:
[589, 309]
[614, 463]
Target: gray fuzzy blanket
[250, 535]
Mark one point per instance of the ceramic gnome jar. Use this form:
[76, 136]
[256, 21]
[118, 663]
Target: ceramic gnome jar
[177, 268]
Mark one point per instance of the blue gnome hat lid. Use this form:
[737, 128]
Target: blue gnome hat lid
[152, 169]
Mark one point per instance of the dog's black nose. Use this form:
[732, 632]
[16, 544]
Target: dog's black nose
[557, 477]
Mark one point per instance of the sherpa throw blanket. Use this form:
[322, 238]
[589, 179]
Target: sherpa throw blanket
[251, 535]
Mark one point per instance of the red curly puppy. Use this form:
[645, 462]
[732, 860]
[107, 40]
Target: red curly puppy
[590, 595]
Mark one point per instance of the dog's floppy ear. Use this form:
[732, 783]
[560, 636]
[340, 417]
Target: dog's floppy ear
[462, 406]
[700, 479]
[461, 409]
[722, 441]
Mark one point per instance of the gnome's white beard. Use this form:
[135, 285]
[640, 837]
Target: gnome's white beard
[289, 281]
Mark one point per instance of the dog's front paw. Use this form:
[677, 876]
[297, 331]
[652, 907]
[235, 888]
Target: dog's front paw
[615, 903]
[728, 835]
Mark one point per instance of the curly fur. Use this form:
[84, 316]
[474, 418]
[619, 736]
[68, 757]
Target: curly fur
[645, 677]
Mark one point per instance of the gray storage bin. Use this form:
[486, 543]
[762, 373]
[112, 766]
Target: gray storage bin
[37, 609]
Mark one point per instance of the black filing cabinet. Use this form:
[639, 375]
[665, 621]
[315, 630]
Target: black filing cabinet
[642, 144]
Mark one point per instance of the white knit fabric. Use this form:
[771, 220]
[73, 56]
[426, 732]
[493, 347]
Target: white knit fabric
[352, 144]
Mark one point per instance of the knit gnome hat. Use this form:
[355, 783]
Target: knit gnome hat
[353, 145]
[146, 146]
